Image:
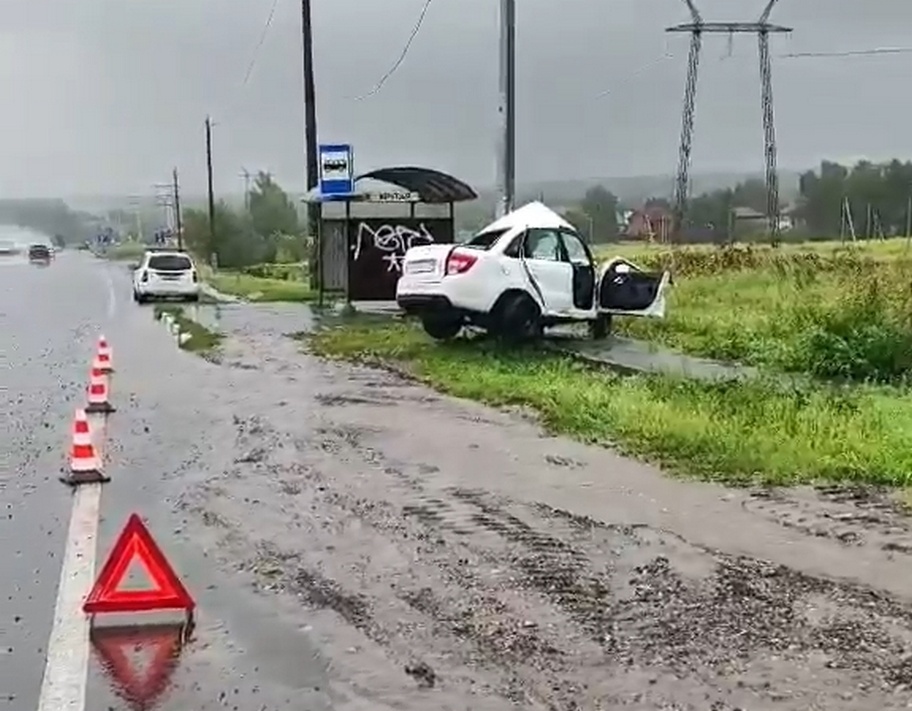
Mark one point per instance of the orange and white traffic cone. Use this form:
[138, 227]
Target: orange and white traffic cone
[103, 357]
[85, 464]
[98, 393]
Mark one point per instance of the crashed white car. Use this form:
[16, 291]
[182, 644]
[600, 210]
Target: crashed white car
[526, 271]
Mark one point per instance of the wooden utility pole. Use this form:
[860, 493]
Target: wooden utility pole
[177, 213]
[211, 189]
[314, 209]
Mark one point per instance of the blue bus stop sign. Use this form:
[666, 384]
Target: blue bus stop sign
[337, 176]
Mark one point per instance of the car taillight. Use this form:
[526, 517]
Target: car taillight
[144, 277]
[193, 276]
[459, 263]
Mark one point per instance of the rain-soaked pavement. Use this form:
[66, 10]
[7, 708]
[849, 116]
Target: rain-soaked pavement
[356, 541]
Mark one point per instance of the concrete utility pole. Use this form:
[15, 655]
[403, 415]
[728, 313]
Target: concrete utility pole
[506, 154]
[314, 210]
[209, 183]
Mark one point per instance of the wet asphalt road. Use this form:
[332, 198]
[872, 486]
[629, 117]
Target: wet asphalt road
[356, 541]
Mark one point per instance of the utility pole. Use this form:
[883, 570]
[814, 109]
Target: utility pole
[909, 217]
[245, 174]
[506, 154]
[177, 213]
[209, 183]
[314, 209]
[136, 204]
[164, 197]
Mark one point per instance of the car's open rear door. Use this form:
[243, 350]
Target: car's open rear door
[625, 289]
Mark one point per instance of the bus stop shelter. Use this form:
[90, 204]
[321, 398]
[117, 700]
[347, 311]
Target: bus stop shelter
[363, 237]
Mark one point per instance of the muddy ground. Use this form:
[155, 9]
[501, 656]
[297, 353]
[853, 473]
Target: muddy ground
[445, 555]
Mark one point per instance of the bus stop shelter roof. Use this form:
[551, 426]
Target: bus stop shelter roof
[431, 186]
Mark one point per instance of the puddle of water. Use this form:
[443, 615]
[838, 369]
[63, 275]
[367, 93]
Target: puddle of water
[139, 661]
[636, 356]
[208, 316]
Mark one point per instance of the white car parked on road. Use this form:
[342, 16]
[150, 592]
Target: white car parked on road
[526, 271]
[166, 274]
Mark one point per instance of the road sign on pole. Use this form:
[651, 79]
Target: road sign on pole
[337, 176]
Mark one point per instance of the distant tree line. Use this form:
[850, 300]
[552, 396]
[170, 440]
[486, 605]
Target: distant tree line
[873, 199]
[268, 229]
[50, 217]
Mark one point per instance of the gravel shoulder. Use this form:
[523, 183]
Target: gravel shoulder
[442, 554]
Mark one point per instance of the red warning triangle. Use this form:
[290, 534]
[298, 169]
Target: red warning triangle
[136, 543]
[113, 645]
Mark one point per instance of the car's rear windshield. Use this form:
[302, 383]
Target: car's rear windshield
[38, 248]
[484, 240]
[170, 262]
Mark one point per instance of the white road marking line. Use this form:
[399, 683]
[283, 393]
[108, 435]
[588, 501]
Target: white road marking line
[66, 670]
[112, 296]
[63, 687]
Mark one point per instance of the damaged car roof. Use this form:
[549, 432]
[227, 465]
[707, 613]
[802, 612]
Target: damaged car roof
[533, 214]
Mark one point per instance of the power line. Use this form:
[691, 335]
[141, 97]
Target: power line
[253, 60]
[259, 44]
[634, 74]
[405, 51]
[850, 53]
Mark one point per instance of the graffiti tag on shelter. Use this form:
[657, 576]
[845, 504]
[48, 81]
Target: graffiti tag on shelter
[393, 240]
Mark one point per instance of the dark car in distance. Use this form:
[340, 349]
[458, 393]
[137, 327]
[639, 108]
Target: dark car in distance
[40, 253]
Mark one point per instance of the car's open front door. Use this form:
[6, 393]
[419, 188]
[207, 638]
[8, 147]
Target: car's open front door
[625, 289]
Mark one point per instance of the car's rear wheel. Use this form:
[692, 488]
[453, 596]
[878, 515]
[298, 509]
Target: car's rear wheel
[193, 297]
[441, 327]
[139, 298]
[518, 319]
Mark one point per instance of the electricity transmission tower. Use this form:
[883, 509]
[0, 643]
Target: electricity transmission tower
[697, 28]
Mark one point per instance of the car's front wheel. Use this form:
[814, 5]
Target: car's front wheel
[441, 327]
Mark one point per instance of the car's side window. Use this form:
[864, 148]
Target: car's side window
[512, 250]
[576, 248]
[543, 244]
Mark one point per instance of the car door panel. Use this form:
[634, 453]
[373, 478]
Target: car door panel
[551, 277]
[626, 289]
[584, 272]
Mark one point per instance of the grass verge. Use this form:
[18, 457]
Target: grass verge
[125, 251]
[754, 432]
[838, 314]
[259, 289]
[201, 339]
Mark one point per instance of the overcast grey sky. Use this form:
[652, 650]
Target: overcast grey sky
[104, 96]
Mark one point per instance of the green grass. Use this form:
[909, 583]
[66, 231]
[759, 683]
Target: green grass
[201, 340]
[738, 433]
[259, 289]
[125, 251]
[819, 309]
[885, 249]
